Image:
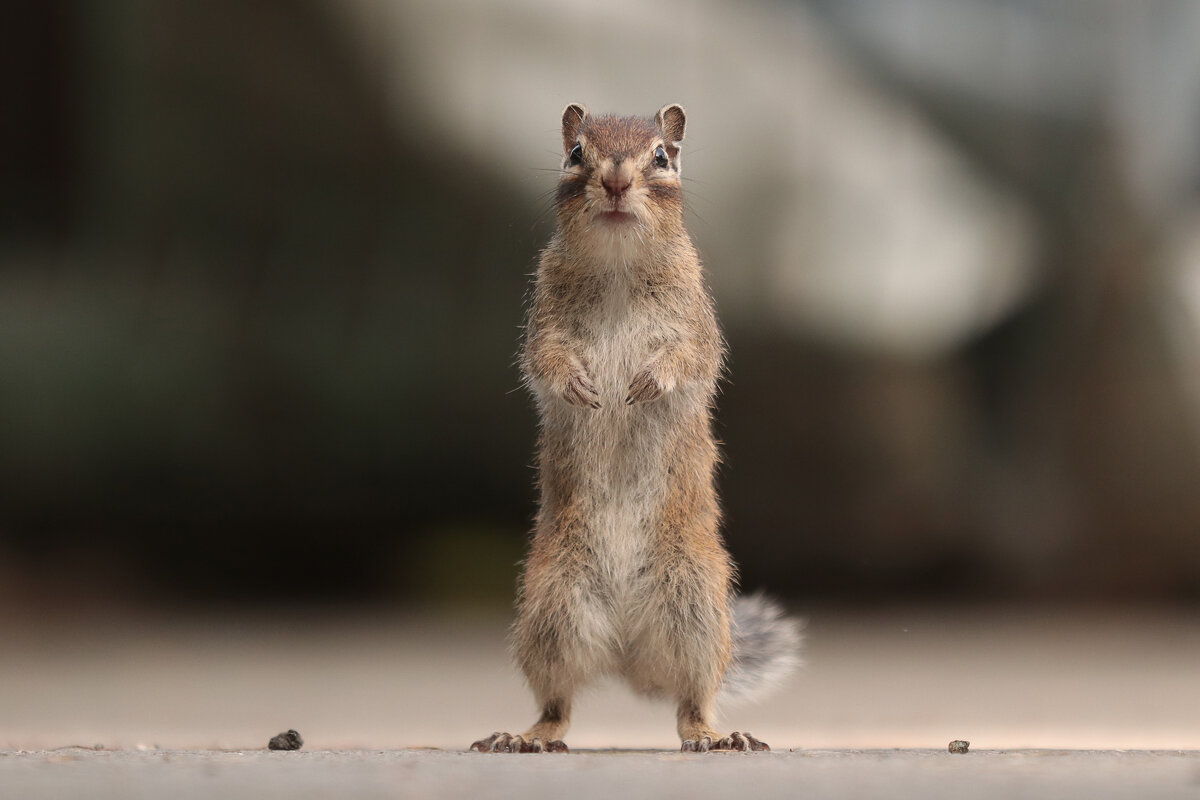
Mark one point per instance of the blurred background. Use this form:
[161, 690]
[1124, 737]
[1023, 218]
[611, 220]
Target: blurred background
[262, 272]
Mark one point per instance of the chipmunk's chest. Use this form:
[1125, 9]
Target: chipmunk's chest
[616, 331]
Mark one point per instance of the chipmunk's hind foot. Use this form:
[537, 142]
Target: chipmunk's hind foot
[735, 741]
[508, 743]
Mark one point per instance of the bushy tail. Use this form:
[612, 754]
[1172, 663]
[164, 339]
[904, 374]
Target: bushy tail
[766, 648]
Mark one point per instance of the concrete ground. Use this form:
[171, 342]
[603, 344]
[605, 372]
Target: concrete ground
[811, 774]
[1056, 702]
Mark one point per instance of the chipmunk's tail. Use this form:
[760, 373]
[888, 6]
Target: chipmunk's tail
[766, 648]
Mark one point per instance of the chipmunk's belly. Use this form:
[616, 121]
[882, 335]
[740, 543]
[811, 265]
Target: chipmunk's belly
[625, 468]
[617, 458]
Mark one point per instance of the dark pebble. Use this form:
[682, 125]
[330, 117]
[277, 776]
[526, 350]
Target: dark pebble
[288, 740]
[959, 746]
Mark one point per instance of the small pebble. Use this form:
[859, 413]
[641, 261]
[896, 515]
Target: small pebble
[288, 740]
[959, 746]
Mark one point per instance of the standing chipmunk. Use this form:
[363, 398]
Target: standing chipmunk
[626, 572]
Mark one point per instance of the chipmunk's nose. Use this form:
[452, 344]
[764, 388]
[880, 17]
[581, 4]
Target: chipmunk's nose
[617, 179]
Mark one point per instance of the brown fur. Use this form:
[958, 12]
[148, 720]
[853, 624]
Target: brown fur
[626, 572]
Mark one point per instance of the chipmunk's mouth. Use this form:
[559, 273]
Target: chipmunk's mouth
[617, 217]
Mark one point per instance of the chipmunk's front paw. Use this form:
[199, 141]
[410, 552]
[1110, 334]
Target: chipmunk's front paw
[580, 391]
[507, 743]
[734, 741]
[644, 388]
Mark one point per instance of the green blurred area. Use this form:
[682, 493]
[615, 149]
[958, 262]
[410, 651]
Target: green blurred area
[258, 343]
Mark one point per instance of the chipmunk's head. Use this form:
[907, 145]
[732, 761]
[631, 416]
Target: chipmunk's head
[621, 174]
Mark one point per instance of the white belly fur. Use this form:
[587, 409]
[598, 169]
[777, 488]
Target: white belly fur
[619, 454]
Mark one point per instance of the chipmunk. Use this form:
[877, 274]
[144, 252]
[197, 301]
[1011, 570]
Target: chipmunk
[626, 573]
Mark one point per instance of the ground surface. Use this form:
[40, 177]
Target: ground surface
[811, 774]
[1056, 703]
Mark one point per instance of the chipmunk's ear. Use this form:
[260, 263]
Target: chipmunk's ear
[671, 120]
[573, 117]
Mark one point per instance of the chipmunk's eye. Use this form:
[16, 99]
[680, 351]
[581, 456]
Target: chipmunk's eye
[575, 157]
[660, 157]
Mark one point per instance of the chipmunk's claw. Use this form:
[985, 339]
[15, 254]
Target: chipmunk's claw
[737, 740]
[644, 388]
[580, 391]
[508, 743]
[741, 742]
